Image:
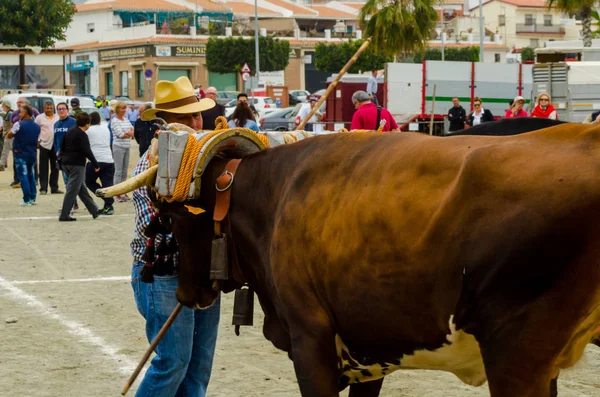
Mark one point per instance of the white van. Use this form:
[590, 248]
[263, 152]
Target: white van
[35, 99]
[84, 102]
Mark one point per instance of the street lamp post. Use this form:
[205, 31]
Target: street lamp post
[256, 56]
[481, 31]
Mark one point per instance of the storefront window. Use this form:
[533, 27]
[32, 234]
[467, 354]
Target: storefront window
[124, 84]
[140, 81]
[109, 84]
[9, 77]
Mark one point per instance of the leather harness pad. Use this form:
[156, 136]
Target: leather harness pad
[224, 183]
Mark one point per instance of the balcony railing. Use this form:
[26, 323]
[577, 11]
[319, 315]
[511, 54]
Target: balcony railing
[540, 28]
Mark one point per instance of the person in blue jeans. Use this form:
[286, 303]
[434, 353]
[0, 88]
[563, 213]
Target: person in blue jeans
[26, 134]
[183, 362]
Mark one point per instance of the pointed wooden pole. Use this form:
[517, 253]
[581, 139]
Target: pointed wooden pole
[334, 83]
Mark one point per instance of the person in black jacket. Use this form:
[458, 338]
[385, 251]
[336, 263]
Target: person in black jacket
[74, 149]
[210, 116]
[143, 131]
[457, 116]
[479, 115]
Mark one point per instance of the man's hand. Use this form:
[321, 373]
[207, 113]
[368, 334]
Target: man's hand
[449, 115]
[97, 169]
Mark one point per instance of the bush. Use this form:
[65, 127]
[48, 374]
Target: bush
[527, 54]
[228, 55]
[332, 57]
[464, 54]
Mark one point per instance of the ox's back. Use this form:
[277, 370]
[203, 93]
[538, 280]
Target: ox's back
[398, 219]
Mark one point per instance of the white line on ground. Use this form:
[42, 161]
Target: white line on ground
[38, 218]
[126, 366]
[73, 280]
[38, 251]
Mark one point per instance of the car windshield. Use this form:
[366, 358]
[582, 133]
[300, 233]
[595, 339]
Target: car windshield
[269, 100]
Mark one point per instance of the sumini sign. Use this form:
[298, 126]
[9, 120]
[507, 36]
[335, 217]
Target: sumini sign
[181, 51]
[132, 52]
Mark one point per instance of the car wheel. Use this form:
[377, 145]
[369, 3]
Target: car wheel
[281, 129]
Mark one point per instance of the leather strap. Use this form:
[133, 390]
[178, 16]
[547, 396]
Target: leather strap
[223, 186]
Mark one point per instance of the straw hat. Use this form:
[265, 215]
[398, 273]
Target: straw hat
[177, 97]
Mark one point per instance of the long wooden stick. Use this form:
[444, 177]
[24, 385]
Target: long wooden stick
[151, 348]
[334, 83]
[432, 111]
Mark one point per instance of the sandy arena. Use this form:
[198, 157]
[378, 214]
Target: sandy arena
[78, 333]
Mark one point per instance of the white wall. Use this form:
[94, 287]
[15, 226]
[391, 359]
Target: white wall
[77, 31]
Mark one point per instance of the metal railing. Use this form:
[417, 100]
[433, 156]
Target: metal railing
[61, 92]
[539, 28]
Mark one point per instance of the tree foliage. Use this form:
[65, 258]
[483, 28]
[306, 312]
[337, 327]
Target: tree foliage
[583, 8]
[229, 54]
[332, 57]
[527, 54]
[465, 54]
[398, 26]
[34, 22]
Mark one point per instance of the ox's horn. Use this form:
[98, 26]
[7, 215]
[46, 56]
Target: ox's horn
[144, 179]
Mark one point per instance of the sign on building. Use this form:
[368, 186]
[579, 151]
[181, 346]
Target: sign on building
[121, 53]
[180, 51]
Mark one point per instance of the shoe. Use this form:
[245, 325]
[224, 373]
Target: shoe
[126, 197]
[43, 192]
[57, 192]
[97, 213]
[32, 202]
[108, 211]
[15, 185]
[76, 207]
[67, 219]
[119, 199]
[25, 204]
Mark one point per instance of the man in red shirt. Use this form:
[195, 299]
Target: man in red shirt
[367, 114]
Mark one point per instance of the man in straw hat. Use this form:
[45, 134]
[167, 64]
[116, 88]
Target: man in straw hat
[183, 361]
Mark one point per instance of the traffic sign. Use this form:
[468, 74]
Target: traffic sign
[246, 68]
[148, 73]
[245, 76]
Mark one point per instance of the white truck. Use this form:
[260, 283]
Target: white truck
[574, 87]
[410, 89]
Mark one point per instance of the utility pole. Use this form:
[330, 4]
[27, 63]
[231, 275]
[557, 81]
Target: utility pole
[481, 31]
[256, 56]
[442, 34]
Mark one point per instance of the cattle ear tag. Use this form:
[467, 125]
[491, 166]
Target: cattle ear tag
[219, 261]
[194, 210]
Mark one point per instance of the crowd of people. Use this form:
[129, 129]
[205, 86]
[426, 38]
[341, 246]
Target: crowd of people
[74, 143]
[458, 118]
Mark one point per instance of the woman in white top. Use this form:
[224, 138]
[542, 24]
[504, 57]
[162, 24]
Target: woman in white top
[123, 132]
[99, 137]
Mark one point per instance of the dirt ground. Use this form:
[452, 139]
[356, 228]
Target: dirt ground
[78, 333]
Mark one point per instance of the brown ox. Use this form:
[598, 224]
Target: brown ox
[371, 253]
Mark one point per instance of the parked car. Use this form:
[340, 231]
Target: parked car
[278, 120]
[320, 93]
[224, 97]
[93, 98]
[35, 99]
[260, 103]
[294, 120]
[297, 96]
[90, 110]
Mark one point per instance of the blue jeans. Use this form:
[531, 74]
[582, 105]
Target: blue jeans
[184, 357]
[25, 165]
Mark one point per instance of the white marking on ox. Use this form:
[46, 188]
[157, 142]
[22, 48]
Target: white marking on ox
[461, 356]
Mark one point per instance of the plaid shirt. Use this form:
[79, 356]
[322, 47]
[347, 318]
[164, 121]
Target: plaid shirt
[142, 206]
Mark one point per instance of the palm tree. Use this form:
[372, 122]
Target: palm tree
[398, 26]
[584, 8]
